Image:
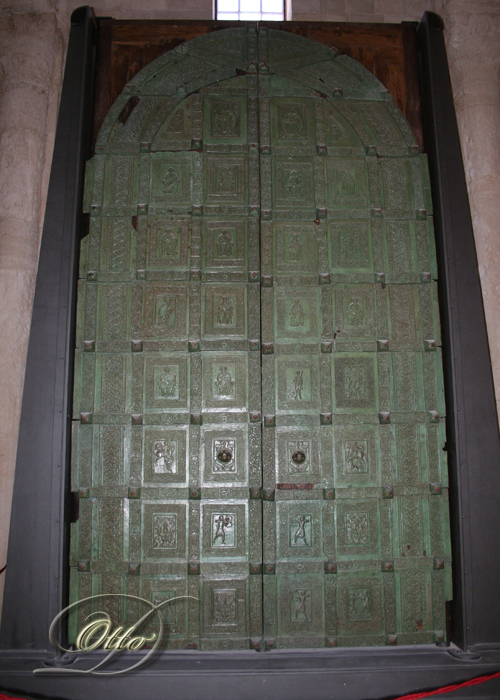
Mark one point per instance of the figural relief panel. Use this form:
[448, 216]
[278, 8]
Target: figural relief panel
[355, 315]
[224, 245]
[296, 314]
[224, 529]
[299, 529]
[292, 121]
[295, 248]
[297, 386]
[224, 381]
[224, 312]
[225, 455]
[168, 243]
[357, 528]
[355, 382]
[164, 455]
[170, 179]
[350, 246]
[165, 311]
[167, 382]
[164, 530]
[356, 451]
[301, 605]
[225, 120]
[225, 179]
[293, 184]
[224, 607]
[360, 603]
[347, 186]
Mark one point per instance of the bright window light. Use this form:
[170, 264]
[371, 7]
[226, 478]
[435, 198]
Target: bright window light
[251, 10]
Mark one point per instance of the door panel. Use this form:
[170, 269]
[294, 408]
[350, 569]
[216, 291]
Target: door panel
[258, 413]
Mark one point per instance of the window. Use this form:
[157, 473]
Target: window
[251, 10]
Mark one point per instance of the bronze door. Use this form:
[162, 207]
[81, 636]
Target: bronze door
[287, 471]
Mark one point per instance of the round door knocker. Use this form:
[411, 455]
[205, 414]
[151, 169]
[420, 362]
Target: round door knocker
[298, 457]
[225, 456]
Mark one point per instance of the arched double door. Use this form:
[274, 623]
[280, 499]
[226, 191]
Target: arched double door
[258, 412]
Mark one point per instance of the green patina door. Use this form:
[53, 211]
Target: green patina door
[258, 413]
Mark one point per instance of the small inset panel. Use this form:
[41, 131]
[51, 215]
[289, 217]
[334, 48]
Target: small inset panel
[167, 382]
[224, 607]
[350, 246]
[355, 382]
[355, 315]
[298, 455]
[225, 180]
[356, 454]
[297, 384]
[225, 120]
[347, 183]
[165, 311]
[164, 455]
[301, 605]
[224, 382]
[164, 530]
[224, 245]
[295, 249]
[170, 179]
[297, 314]
[225, 455]
[168, 243]
[224, 527]
[224, 311]
[359, 603]
[357, 528]
[299, 528]
[340, 133]
[292, 122]
[293, 184]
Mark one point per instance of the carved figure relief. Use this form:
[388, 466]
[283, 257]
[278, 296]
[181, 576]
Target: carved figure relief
[164, 531]
[165, 310]
[354, 314]
[357, 529]
[293, 184]
[225, 246]
[168, 244]
[296, 314]
[223, 527]
[224, 606]
[356, 457]
[224, 456]
[167, 384]
[224, 384]
[171, 182]
[355, 383]
[225, 119]
[300, 531]
[301, 605]
[295, 249]
[347, 183]
[225, 180]
[224, 312]
[360, 604]
[165, 457]
[298, 383]
[291, 123]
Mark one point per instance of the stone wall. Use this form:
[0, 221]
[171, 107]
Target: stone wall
[33, 39]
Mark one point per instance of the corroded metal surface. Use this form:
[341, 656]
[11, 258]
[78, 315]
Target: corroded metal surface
[261, 223]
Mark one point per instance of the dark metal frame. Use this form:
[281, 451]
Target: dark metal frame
[35, 582]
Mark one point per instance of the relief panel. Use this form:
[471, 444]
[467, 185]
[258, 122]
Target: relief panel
[295, 249]
[356, 455]
[293, 184]
[299, 529]
[165, 527]
[224, 607]
[224, 530]
[355, 311]
[301, 605]
[347, 184]
[167, 382]
[225, 455]
[296, 314]
[225, 382]
[168, 243]
[357, 528]
[298, 456]
[224, 312]
[165, 309]
[170, 179]
[225, 179]
[225, 120]
[360, 604]
[355, 382]
[292, 122]
[164, 455]
[224, 245]
[350, 246]
[297, 384]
